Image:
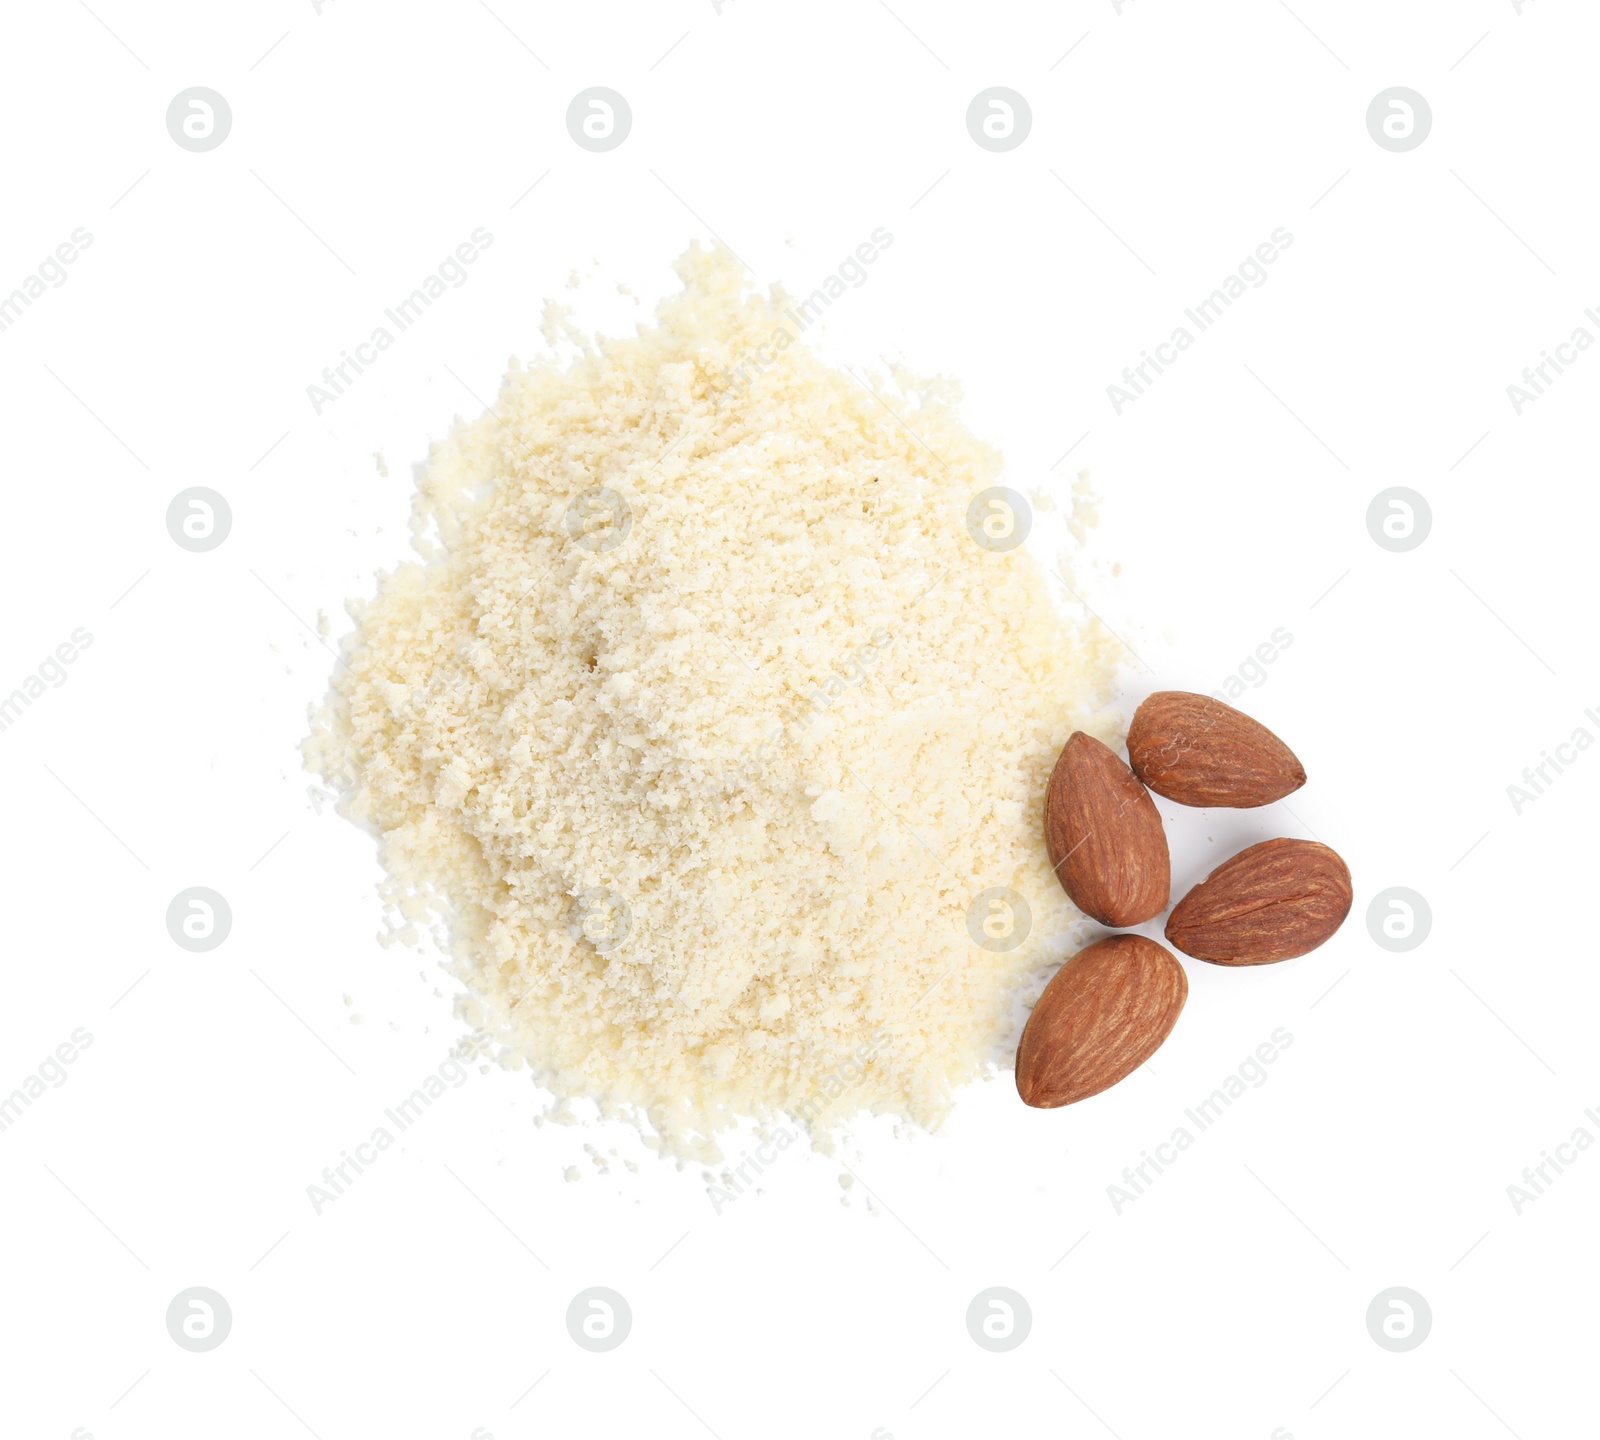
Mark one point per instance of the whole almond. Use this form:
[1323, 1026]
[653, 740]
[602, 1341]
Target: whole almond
[1273, 901]
[1198, 751]
[1103, 1014]
[1104, 836]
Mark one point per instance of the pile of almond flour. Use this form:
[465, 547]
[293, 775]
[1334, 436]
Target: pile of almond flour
[703, 720]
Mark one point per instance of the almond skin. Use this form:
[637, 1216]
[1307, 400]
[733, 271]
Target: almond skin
[1271, 902]
[1198, 751]
[1104, 836]
[1103, 1014]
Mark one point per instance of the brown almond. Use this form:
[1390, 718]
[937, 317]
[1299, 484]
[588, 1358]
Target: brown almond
[1273, 901]
[1104, 836]
[1103, 1014]
[1198, 751]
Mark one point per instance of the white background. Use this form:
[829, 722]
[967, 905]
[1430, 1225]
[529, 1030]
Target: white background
[366, 143]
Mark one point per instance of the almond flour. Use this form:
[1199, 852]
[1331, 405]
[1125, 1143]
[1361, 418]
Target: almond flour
[701, 722]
